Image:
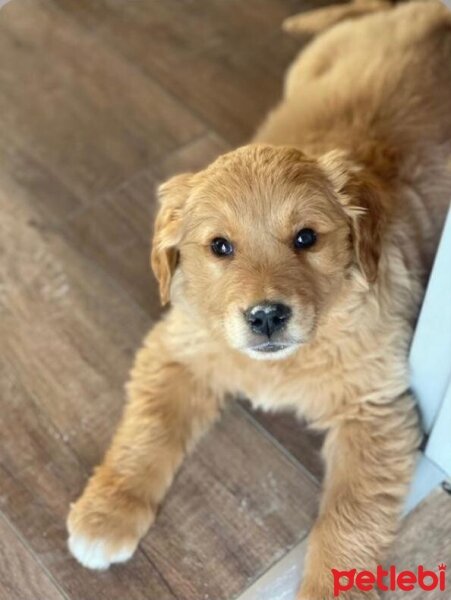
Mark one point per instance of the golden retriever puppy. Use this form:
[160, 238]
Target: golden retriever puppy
[294, 268]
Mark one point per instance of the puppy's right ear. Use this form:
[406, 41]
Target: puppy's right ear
[362, 197]
[164, 255]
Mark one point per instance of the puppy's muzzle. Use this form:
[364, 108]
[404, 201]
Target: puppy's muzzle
[267, 318]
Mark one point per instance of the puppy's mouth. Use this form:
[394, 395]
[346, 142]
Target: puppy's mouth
[271, 350]
[269, 347]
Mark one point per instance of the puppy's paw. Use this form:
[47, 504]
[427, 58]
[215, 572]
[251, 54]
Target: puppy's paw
[98, 553]
[106, 529]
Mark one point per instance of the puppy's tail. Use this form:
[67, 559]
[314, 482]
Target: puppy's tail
[314, 21]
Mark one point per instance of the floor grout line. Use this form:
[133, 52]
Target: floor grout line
[44, 569]
[280, 446]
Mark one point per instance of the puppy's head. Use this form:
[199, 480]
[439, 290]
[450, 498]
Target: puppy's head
[259, 244]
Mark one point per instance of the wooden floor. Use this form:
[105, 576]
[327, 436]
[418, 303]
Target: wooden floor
[100, 100]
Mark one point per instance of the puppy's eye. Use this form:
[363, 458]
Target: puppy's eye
[221, 247]
[305, 238]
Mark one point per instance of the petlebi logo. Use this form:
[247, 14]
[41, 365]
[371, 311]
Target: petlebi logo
[390, 580]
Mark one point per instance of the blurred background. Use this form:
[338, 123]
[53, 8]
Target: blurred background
[99, 101]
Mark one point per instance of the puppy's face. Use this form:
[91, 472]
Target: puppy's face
[257, 246]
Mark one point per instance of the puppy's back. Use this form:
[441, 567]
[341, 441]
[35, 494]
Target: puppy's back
[384, 77]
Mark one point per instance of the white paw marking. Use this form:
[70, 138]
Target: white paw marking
[95, 554]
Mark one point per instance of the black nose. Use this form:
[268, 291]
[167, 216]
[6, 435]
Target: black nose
[268, 317]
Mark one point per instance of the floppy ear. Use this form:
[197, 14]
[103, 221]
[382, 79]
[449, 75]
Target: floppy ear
[361, 196]
[168, 231]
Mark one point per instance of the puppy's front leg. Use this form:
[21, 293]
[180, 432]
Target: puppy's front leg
[167, 410]
[369, 462]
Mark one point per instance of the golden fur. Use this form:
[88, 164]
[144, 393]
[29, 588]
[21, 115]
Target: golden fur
[357, 150]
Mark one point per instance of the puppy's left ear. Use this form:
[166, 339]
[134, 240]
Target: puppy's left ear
[168, 231]
[362, 198]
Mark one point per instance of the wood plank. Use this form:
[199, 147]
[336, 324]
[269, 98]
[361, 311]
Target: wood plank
[193, 156]
[298, 440]
[425, 539]
[89, 115]
[23, 175]
[229, 73]
[53, 304]
[115, 234]
[21, 577]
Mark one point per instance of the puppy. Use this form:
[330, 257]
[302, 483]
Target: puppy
[294, 268]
